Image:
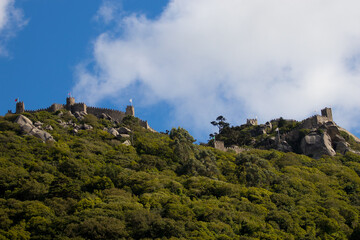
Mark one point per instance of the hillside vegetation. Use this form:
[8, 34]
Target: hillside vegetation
[89, 185]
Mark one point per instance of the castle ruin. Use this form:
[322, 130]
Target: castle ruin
[73, 107]
[252, 122]
[314, 121]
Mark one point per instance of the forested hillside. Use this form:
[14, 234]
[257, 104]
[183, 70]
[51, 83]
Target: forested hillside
[87, 184]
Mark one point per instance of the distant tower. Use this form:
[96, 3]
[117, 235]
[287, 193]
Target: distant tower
[20, 107]
[253, 122]
[130, 111]
[70, 101]
[326, 112]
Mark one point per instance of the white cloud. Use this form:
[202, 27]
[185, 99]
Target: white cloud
[238, 58]
[11, 20]
[108, 11]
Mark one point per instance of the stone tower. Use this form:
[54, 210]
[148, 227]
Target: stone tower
[70, 101]
[20, 107]
[326, 112]
[252, 122]
[130, 111]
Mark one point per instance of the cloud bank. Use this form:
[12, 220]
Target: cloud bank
[238, 58]
[11, 21]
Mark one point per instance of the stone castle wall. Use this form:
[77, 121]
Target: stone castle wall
[115, 114]
[78, 107]
[316, 120]
[39, 110]
[221, 146]
[56, 107]
[81, 107]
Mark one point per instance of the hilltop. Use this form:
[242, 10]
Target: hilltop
[315, 136]
[100, 178]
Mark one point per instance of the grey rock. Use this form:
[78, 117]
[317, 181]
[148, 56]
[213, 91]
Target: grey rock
[316, 145]
[106, 116]
[21, 120]
[342, 147]
[49, 127]
[113, 132]
[75, 131]
[124, 135]
[27, 126]
[124, 130]
[268, 125]
[38, 124]
[43, 135]
[127, 143]
[262, 130]
[86, 127]
[284, 146]
[78, 116]
[332, 131]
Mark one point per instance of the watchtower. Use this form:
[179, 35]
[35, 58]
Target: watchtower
[130, 111]
[70, 101]
[252, 122]
[327, 112]
[20, 107]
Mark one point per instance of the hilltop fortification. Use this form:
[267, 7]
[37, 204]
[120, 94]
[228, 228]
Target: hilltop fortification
[74, 107]
[315, 136]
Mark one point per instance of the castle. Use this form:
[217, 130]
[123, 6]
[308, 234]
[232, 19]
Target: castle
[73, 107]
[309, 123]
[314, 121]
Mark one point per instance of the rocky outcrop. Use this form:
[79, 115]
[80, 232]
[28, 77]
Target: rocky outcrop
[80, 115]
[113, 132]
[284, 146]
[124, 130]
[315, 145]
[29, 128]
[127, 143]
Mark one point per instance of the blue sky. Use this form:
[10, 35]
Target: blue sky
[40, 63]
[184, 62]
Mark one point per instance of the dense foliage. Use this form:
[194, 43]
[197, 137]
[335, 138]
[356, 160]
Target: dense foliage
[252, 135]
[91, 186]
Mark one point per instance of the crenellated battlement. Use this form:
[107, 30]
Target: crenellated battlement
[73, 107]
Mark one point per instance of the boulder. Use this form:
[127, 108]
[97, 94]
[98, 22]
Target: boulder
[27, 126]
[315, 145]
[22, 120]
[80, 115]
[105, 116]
[113, 132]
[43, 135]
[268, 126]
[284, 146]
[86, 127]
[49, 127]
[342, 147]
[124, 130]
[332, 131]
[38, 124]
[124, 135]
[127, 143]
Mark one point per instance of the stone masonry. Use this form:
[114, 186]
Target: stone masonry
[73, 107]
